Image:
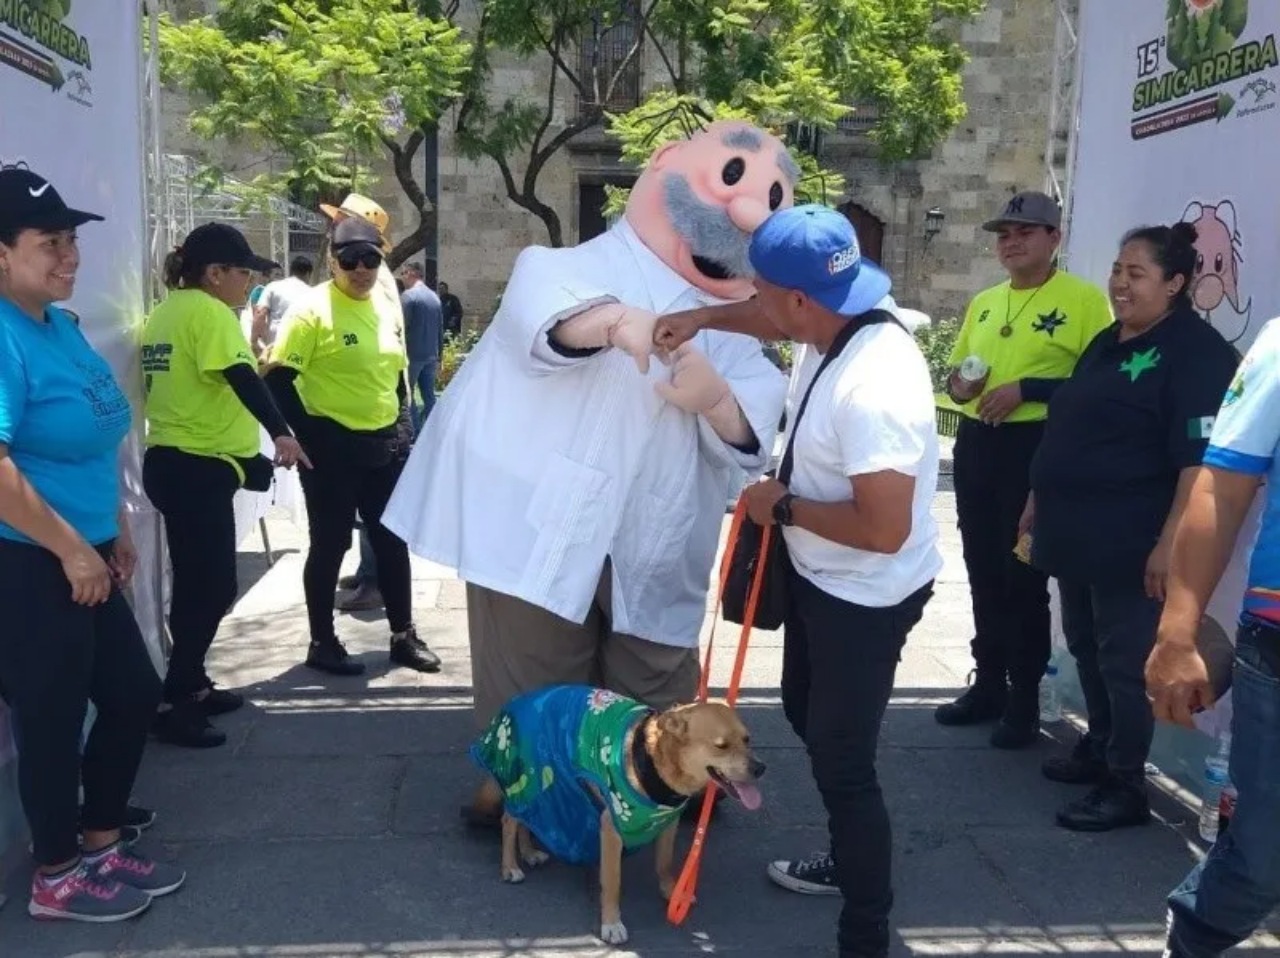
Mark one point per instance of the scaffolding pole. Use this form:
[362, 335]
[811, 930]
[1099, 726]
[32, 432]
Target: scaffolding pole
[1063, 120]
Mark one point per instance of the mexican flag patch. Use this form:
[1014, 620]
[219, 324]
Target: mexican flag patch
[1200, 428]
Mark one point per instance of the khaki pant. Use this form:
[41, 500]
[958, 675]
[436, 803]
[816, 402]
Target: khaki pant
[518, 647]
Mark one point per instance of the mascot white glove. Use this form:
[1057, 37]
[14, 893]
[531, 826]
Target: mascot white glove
[622, 327]
[698, 389]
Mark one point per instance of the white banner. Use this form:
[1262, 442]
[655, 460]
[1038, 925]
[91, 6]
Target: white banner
[70, 109]
[1179, 121]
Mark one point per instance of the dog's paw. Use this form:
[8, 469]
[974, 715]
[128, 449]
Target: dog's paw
[512, 876]
[535, 857]
[613, 933]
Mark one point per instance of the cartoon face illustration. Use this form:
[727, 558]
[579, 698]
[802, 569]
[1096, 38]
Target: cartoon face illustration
[1219, 253]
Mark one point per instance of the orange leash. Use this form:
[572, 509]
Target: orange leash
[682, 897]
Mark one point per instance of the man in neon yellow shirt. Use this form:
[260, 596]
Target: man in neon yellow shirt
[1019, 341]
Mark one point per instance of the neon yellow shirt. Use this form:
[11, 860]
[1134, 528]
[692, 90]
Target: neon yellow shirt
[349, 354]
[1049, 327]
[187, 341]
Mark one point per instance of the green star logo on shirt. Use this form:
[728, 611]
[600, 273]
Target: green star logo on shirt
[1139, 363]
[1048, 322]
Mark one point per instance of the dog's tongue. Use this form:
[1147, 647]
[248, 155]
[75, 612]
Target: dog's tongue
[748, 795]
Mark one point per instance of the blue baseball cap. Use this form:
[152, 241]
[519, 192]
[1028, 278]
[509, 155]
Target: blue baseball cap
[814, 249]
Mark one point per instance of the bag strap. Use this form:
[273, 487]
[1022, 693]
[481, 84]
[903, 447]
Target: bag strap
[851, 329]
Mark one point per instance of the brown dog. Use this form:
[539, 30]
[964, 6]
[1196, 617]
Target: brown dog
[631, 773]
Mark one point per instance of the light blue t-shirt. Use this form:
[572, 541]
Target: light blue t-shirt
[63, 416]
[1246, 439]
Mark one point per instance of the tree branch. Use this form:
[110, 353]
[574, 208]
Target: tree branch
[536, 144]
[631, 54]
[553, 51]
[402, 163]
[676, 80]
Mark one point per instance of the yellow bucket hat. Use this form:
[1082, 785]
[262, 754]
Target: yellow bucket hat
[366, 209]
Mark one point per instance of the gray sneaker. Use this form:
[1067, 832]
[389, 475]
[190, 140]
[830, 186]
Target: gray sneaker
[83, 895]
[122, 864]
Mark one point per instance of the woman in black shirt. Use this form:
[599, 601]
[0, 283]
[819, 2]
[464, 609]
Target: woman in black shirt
[1124, 438]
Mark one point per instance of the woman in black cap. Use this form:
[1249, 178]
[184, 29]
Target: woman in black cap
[69, 636]
[204, 404]
[338, 373]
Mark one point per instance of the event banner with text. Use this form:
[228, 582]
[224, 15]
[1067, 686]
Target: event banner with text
[70, 85]
[1180, 120]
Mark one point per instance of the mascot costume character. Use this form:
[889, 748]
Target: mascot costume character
[576, 481]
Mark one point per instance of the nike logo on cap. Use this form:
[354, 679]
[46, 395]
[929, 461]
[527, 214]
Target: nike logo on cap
[37, 193]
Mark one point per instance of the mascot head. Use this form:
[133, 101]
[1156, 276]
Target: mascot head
[698, 201]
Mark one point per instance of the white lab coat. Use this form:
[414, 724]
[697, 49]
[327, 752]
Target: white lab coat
[533, 467]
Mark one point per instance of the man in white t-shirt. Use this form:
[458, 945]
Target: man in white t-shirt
[276, 300]
[855, 515]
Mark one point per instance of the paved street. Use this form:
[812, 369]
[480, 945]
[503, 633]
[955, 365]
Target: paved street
[328, 826]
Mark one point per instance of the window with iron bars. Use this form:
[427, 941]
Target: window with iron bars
[863, 118]
[601, 50]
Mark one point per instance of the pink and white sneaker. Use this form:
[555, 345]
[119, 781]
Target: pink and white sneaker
[81, 895]
[118, 863]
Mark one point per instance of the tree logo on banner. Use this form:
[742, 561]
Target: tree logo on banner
[1200, 68]
[1215, 286]
[34, 37]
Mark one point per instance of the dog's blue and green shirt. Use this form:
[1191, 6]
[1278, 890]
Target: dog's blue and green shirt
[542, 748]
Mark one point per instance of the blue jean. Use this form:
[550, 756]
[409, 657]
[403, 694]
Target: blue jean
[1228, 895]
[422, 374]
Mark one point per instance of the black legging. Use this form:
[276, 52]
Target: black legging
[194, 494]
[55, 658]
[334, 491]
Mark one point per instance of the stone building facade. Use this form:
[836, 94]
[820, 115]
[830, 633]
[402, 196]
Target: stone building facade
[996, 151]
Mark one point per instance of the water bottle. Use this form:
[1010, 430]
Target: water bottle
[1216, 779]
[1050, 695]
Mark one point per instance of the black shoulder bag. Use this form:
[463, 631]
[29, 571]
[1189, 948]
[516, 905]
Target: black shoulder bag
[771, 607]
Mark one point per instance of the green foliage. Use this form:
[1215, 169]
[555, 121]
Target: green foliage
[802, 61]
[455, 351]
[936, 342]
[322, 86]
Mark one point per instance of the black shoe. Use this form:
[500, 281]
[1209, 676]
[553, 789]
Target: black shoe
[186, 725]
[815, 875]
[982, 702]
[135, 816]
[1019, 726]
[1115, 803]
[218, 701]
[411, 652]
[1084, 765]
[349, 582]
[332, 657]
[365, 598]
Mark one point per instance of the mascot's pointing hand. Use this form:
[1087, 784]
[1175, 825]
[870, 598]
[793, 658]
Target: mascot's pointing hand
[622, 327]
[632, 332]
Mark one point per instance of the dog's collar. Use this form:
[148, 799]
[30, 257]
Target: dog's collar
[651, 782]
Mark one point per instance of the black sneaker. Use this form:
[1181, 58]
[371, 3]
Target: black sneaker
[187, 725]
[1084, 765]
[1115, 803]
[983, 701]
[411, 652]
[218, 701]
[135, 816]
[333, 657]
[815, 875]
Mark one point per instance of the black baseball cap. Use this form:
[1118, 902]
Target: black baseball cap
[218, 244]
[29, 201]
[354, 233]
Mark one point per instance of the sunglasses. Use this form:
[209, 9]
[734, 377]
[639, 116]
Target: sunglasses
[350, 259]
